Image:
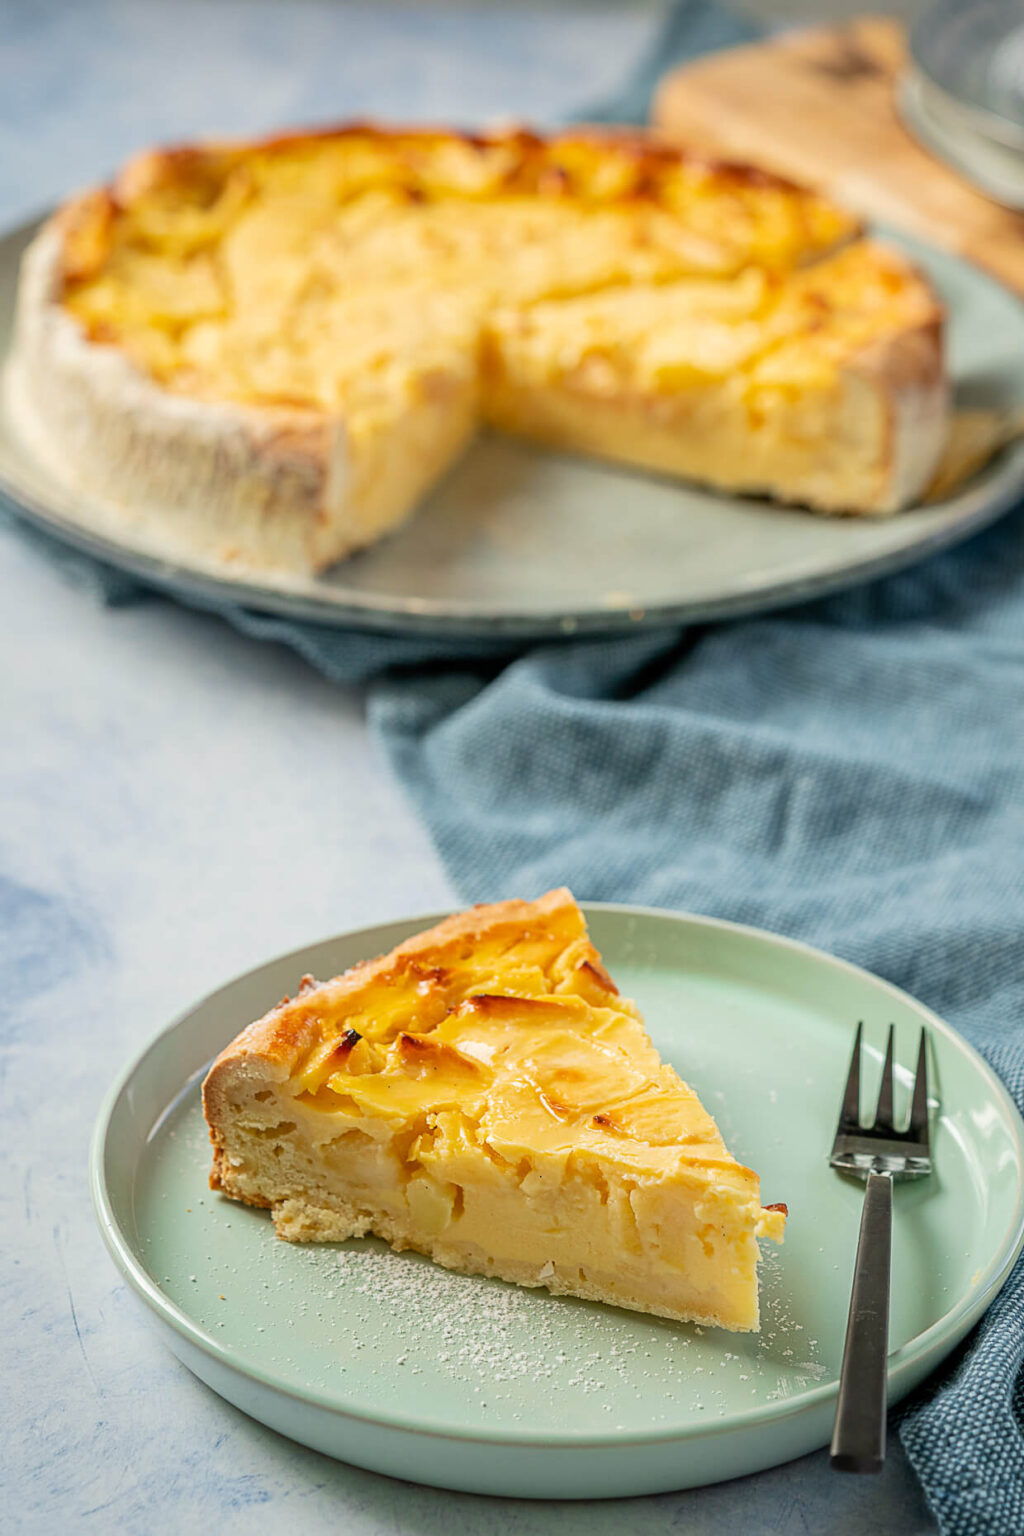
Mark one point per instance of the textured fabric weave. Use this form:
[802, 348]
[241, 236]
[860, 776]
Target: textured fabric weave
[850, 773]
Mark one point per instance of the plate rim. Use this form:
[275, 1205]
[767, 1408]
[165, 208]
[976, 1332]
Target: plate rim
[927, 1348]
[916, 92]
[978, 506]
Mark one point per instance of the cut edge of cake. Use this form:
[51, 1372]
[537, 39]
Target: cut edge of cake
[864, 438]
[260, 488]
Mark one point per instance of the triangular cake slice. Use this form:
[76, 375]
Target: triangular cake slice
[483, 1095]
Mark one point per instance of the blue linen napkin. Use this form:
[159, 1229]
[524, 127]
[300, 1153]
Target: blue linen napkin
[849, 772]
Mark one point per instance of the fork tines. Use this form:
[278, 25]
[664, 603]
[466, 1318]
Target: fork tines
[852, 1134]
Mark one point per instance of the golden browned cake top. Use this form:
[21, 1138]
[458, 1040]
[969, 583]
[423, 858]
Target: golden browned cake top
[759, 329]
[311, 269]
[502, 1029]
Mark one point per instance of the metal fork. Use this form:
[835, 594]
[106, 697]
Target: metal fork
[878, 1154]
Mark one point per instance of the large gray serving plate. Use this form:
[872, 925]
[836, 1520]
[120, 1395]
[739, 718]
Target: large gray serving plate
[522, 543]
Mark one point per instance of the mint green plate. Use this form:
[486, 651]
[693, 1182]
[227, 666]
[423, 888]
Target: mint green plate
[387, 1361]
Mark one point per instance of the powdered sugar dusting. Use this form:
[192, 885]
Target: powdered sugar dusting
[375, 1329]
[394, 1316]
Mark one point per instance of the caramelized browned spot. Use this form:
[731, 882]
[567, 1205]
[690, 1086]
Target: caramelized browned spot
[596, 971]
[554, 180]
[422, 1053]
[87, 225]
[199, 170]
[778, 1206]
[497, 1003]
[102, 333]
[430, 972]
[343, 1050]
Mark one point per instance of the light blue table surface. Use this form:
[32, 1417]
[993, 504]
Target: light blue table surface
[179, 803]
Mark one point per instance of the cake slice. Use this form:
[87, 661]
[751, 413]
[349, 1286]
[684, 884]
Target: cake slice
[483, 1095]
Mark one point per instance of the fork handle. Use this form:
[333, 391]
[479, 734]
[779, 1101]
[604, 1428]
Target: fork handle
[858, 1438]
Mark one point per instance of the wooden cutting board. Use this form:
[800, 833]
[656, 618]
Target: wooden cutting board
[819, 106]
